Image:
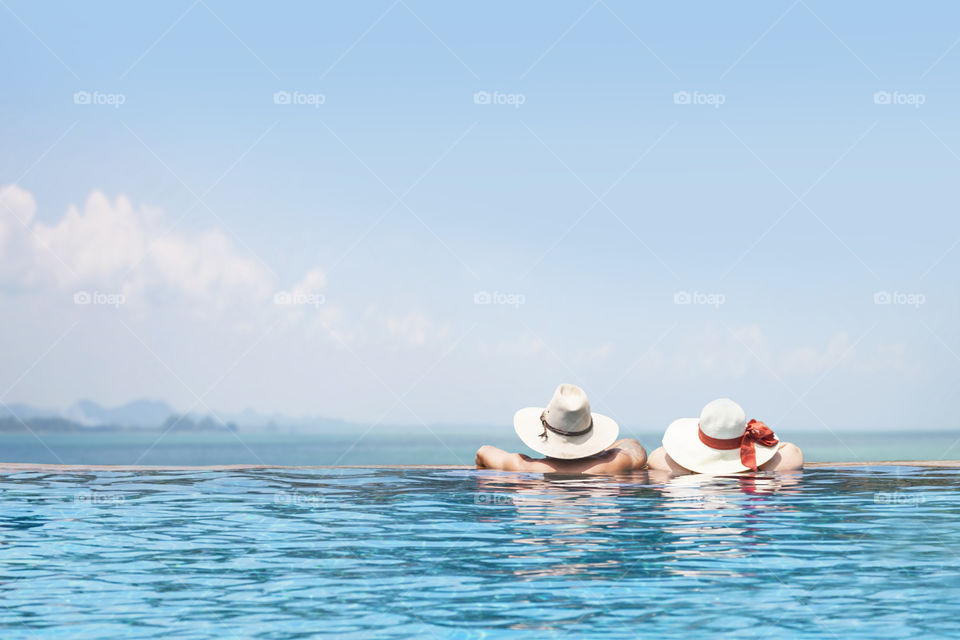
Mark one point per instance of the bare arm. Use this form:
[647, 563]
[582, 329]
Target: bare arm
[623, 456]
[627, 455]
[788, 457]
[493, 458]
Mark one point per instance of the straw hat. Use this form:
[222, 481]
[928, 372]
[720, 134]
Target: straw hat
[720, 441]
[566, 428]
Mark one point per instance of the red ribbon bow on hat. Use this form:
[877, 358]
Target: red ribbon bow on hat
[757, 432]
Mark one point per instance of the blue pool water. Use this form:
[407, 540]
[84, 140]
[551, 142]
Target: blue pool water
[359, 553]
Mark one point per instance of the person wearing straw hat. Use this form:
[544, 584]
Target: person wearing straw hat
[573, 439]
[721, 441]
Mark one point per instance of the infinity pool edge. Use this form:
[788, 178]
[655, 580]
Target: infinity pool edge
[29, 466]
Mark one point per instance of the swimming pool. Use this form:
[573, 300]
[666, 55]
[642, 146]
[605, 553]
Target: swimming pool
[833, 553]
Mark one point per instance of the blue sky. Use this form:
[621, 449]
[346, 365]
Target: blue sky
[589, 193]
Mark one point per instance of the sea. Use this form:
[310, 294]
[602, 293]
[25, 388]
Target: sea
[380, 445]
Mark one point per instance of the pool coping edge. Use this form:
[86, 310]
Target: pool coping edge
[30, 466]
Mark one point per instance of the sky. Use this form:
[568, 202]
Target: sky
[423, 212]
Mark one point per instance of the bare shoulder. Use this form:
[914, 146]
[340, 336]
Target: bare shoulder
[788, 457]
[660, 461]
[489, 457]
[632, 448]
[622, 457]
[484, 454]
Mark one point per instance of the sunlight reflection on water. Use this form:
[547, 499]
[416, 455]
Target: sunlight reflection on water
[401, 553]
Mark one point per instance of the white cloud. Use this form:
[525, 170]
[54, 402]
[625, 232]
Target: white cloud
[170, 275]
[520, 347]
[17, 208]
[597, 353]
[16, 202]
[890, 357]
[415, 329]
[113, 246]
[746, 351]
[809, 360]
[305, 299]
[312, 283]
[713, 352]
[96, 244]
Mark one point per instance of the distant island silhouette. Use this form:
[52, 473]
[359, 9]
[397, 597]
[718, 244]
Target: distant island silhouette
[52, 424]
[139, 416]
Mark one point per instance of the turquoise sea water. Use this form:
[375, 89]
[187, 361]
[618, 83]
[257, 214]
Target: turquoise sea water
[409, 445]
[354, 553]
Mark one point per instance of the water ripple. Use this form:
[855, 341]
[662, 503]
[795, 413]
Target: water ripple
[863, 553]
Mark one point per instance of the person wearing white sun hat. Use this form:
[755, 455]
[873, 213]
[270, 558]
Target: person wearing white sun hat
[721, 441]
[571, 436]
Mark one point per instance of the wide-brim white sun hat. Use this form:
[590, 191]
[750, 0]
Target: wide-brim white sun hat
[687, 440]
[565, 428]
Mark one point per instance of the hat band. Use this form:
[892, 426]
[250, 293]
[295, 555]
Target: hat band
[548, 427]
[719, 443]
[756, 431]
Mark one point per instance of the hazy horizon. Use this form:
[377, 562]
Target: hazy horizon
[304, 423]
